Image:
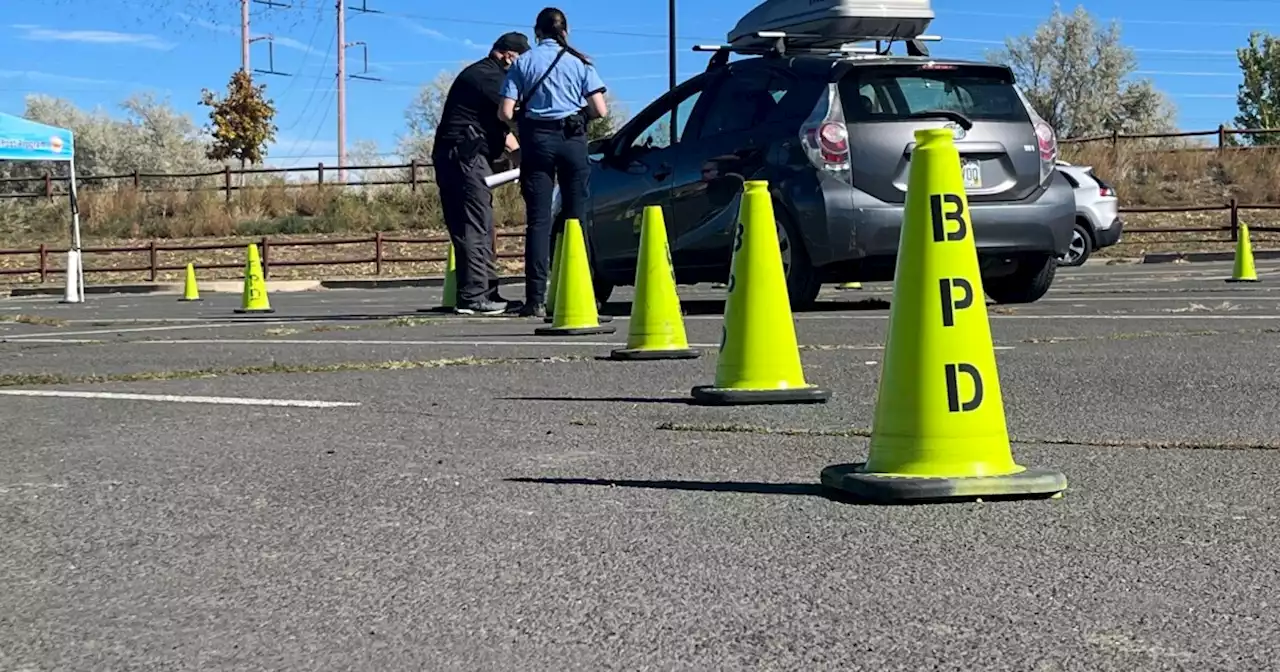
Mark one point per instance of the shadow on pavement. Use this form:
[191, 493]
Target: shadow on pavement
[798, 489]
[625, 400]
[716, 306]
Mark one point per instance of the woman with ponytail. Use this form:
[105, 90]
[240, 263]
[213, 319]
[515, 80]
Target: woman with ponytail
[550, 94]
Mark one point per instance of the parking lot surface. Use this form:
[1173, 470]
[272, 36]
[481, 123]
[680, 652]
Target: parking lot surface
[349, 483]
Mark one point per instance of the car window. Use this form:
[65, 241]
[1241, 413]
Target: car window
[657, 135]
[794, 97]
[893, 94]
[741, 101]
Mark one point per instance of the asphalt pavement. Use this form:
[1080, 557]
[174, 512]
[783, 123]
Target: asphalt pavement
[350, 483]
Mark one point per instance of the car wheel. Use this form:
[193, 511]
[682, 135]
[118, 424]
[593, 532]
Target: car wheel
[1027, 284]
[803, 284]
[1080, 249]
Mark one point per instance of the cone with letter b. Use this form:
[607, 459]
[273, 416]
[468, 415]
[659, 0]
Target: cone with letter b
[657, 328]
[939, 431]
[759, 356]
[576, 313]
[1242, 270]
[254, 299]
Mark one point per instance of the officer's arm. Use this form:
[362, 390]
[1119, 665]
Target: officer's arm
[510, 94]
[593, 89]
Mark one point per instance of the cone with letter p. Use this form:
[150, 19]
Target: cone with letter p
[759, 356]
[575, 307]
[254, 298]
[657, 328]
[939, 431]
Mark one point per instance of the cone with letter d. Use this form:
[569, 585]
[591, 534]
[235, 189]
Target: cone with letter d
[759, 357]
[657, 328]
[939, 431]
[254, 298]
[576, 313]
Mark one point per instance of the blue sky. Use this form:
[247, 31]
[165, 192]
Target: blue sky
[95, 58]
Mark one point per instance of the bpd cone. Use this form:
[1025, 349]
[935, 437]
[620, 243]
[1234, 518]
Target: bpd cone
[939, 430]
[657, 328]
[759, 357]
[254, 298]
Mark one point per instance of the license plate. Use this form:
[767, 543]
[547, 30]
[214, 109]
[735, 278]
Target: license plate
[972, 171]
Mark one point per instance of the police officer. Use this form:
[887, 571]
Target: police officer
[469, 138]
[550, 93]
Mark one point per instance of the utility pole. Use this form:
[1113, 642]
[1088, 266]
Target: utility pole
[671, 61]
[342, 92]
[244, 36]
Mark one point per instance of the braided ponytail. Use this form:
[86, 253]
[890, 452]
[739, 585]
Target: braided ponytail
[553, 24]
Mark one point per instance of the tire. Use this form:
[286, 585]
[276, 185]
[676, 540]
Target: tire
[1081, 246]
[803, 283]
[1032, 280]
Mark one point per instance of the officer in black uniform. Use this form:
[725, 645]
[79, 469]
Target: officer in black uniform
[469, 139]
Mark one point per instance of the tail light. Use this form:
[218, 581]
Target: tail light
[1046, 139]
[825, 137]
[1104, 190]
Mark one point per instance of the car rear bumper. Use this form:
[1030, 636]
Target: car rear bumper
[1108, 236]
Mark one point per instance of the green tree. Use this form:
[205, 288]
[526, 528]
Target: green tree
[241, 121]
[1258, 96]
[606, 126]
[1078, 77]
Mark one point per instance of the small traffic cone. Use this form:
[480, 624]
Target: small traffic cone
[576, 313]
[554, 281]
[759, 357]
[850, 285]
[657, 328]
[1243, 270]
[939, 429]
[190, 291]
[254, 298]
[450, 289]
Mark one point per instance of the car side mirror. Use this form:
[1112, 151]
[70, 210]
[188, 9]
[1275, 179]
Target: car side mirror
[722, 190]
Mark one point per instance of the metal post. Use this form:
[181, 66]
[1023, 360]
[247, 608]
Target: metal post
[342, 92]
[671, 60]
[244, 35]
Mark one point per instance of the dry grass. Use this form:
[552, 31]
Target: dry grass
[1146, 177]
[186, 212]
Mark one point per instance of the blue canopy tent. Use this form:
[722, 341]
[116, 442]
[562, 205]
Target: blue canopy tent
[26, 140]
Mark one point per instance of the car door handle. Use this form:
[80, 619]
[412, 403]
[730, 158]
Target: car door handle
[662, 172]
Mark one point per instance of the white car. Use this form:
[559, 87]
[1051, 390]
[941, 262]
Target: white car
[1098, 222]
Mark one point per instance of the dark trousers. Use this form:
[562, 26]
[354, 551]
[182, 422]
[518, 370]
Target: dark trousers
[467, 203]
[548, 155]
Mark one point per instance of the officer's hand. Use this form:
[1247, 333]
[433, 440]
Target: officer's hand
[513, 145]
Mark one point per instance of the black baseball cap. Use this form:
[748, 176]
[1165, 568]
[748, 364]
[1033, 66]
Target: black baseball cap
[513, 41]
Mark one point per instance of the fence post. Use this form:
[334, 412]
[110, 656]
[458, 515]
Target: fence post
[320, 174]
[413, 176]
[44, 263]
[266, 264]
[137, 180]
[1235, 219]
[226, 181]
[377, 253]
[1222, 136]
[48, 186]
[151, 251]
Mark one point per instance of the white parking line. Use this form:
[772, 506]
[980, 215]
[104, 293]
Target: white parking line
[181, 399]
[131, 330]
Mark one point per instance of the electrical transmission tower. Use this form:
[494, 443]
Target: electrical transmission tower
[343, 45]
[246, 39]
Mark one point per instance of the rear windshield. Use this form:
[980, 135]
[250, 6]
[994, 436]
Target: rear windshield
[894, 94]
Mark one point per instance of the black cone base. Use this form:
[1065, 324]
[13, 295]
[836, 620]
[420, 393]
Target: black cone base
[574, 331]
[710, 395]
[889, 489]
[641, 355]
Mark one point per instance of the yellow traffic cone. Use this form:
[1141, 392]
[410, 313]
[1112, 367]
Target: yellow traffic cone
[850, 285]
[1243, 270]
[554, 281]
[657, 328]
[576, 313]
[254, 299]
[450, 289]
[939, 429]
[190, 292]
[759, 356]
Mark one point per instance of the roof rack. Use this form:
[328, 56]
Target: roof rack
[779, 43]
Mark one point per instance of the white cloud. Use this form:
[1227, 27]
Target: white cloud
[36, 75]
[441, 37]
[40, 34]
